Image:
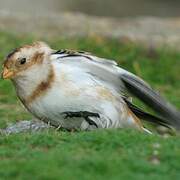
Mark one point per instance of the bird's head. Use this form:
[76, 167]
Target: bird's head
[25, 59]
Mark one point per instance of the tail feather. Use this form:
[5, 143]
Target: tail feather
[146, 94]
[147, 116]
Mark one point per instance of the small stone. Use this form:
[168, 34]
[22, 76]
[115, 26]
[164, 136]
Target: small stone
[25, 126]
[154, 160]
[156, 145]
[162, 130]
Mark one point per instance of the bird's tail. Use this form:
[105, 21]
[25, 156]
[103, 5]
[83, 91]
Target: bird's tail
[136, 86]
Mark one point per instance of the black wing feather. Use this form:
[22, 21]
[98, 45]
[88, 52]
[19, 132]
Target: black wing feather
[152, 99]
[147, 116]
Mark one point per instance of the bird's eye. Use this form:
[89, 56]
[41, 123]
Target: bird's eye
[22, 61]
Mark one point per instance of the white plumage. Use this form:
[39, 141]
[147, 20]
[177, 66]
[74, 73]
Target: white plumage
[77, 90]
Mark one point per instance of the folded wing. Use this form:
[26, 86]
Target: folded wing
[125, 82]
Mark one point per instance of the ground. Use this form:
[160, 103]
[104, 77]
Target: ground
[102, 154]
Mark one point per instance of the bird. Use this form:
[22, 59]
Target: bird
[76, 90]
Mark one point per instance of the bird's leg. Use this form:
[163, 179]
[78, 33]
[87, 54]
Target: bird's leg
[84, 114]
[91, 122]
[69, 114]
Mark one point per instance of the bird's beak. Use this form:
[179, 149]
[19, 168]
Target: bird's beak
[7, 74]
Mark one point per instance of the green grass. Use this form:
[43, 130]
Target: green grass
[103, 154]
[110, 154]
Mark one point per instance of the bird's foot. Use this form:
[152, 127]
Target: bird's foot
[84, 114]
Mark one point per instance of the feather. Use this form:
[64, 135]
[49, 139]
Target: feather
[152, 99]
[124, 82]
[146, 116]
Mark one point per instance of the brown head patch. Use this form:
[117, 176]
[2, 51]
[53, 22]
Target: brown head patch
[12, 53]
[38, 57]
[9, 58]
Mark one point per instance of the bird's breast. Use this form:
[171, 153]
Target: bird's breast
[75, 90]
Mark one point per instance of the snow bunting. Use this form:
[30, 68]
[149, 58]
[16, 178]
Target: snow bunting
[77, 90]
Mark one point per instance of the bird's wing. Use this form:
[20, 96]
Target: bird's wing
[121, 80]
[105, 70]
